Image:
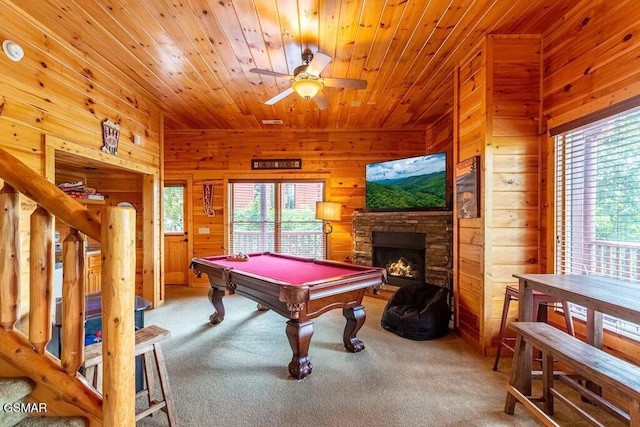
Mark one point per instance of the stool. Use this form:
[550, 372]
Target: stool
[148, 344]
[540, 300]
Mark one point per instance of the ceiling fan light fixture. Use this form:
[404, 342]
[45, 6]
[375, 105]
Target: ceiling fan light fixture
[307, 88]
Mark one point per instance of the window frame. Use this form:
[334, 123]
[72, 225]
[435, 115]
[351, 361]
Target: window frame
[589, 194]
[183, 185]
[279, 198]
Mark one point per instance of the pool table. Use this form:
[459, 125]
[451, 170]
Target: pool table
[297, 288]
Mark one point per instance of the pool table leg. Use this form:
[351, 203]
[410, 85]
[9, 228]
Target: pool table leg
[215, 297]
[299, 335]
[355, 319]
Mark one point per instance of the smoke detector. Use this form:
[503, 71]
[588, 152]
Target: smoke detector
[13, 50]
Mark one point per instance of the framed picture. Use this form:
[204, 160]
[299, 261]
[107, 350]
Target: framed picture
[467, 188]
[276, 164]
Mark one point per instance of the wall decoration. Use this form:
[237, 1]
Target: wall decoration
[467, 188]
[207, 198]
[110, 136]
[276, 164]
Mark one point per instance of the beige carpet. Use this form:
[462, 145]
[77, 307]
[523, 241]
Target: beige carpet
[235, 373]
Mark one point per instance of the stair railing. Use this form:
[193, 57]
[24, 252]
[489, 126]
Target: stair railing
[28, 354]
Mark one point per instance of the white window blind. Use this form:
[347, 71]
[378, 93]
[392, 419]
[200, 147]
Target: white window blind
[598, 203]
[276, 216]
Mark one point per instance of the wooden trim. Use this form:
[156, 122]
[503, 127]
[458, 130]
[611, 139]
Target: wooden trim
[92, 153]
[456, 234]
[152, 289]
[189, 228]
[594, 116]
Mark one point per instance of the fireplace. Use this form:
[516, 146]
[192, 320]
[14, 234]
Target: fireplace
[435, 227]
[402, 254]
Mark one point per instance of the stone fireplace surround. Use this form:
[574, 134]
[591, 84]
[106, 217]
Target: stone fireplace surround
[437, 227]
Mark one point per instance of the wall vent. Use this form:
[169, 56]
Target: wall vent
[272, 122]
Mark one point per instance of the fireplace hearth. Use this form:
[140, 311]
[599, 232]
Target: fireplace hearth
[402, 254]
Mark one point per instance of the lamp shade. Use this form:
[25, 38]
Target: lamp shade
[307, 88]
[328, 211]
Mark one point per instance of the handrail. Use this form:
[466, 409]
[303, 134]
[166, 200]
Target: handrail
[41, 191]
[117, 236]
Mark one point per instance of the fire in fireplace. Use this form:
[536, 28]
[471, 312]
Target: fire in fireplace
[402, 254]
[402, 268]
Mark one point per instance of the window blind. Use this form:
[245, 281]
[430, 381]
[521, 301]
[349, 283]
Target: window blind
[598, 202]
[275, 216]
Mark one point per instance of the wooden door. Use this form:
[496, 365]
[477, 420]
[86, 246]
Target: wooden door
[176, 260]
[176, 235]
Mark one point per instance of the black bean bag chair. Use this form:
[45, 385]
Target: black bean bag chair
[418, 312]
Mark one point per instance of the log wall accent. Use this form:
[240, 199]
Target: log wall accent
[498, 119]
[338, 156]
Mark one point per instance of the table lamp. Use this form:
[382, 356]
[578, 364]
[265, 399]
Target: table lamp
[327, 212]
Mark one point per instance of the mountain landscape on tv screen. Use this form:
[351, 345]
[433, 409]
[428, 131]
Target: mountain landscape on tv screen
[414, 192]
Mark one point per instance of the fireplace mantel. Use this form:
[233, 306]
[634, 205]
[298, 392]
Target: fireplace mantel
[437, 227]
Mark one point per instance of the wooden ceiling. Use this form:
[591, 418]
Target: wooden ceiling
[194, 56]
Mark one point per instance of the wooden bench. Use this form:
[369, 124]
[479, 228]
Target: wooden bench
[147, 344]
[611, 373]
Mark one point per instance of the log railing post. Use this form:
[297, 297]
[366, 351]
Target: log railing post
[41, 278]
[10, 256]
[73, 303]
[118, 330]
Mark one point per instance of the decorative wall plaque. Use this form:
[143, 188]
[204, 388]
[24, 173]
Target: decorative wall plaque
[276, 164]
[110, 136]
[467, 188]
[207, 198]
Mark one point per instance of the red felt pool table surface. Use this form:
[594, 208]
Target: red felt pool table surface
[285, 269]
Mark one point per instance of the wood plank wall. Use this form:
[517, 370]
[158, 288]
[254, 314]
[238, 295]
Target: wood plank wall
[56, 91]
[337, 156]
[591, 61]
[469, 131]
[498, 119]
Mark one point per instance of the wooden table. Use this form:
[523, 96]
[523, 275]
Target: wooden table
[597, 294]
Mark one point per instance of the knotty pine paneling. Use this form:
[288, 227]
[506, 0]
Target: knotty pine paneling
[590, 62]
[515, 64]
[498, 118]
[54, 91]
[337, 156]
[469, 131]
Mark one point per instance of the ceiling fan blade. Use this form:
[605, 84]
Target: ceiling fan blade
[321, 101]
[348, 83]
[270, 73]
[317, 64]
[279, 96]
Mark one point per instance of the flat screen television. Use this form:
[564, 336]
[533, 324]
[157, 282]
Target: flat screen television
[413, 183]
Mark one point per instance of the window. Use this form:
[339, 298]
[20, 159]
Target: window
[173, 203]
[275, 216]
[598, 203]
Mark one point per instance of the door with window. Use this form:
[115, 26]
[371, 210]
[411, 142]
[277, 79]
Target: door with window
[275, 216]
[176, 249]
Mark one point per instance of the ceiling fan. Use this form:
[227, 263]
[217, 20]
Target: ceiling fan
[306, 80]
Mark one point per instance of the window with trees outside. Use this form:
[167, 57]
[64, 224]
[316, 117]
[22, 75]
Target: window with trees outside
[173, 206]
[276, 216]
[598, 203]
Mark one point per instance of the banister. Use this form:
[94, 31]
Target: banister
[37, 188]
